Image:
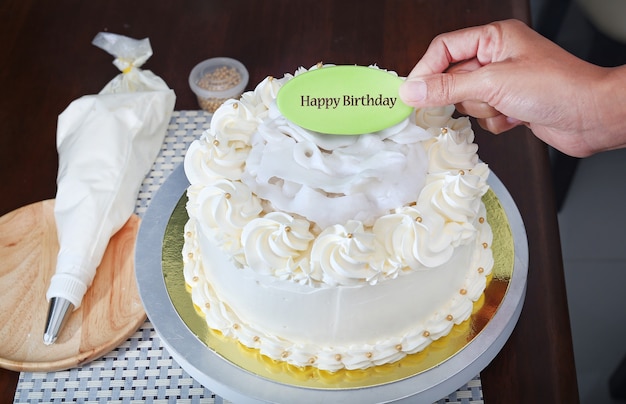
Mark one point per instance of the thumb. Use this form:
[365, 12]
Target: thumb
[436, 90]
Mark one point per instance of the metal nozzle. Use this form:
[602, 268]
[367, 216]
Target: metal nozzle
[59, 311]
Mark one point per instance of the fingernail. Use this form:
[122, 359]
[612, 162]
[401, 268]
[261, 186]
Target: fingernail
[413, 91]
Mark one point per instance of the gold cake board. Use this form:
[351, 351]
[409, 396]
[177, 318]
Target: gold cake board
[242, 374]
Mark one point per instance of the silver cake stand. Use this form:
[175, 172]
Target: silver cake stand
[241, 386]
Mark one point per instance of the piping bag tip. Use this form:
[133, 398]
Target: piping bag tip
[59, 311]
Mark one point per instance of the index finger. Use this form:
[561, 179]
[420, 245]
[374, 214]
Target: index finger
[480, 43]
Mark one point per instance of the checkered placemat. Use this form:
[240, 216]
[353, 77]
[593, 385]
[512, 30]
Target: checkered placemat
[141, 370]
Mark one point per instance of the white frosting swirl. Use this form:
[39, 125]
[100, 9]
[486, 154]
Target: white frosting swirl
[224, 208]
[341, 255]
[275, 244]
[452, 151]
[233, 122]
[259, 100]
[210, 160]
[414, 240]
[464, 126]
[455, 196]
[436, 118]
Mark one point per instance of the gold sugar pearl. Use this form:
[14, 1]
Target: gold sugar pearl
[426, 334]
[256, 338]
[195, 279]
[485, 245]
[216, 142]
[270, 78]
[284, 354]
[481, 270]
[369, 355]
[312, 360]
[287, 229]
[418, 219]
[399, 347]
[338, 357]
[190, 255]
[349, 235]
[227, 195]
[207, 305]
[189, 234]
[235, 105]
[481, 220]
[236, 326]
[463, 291]
[462, 172]
[449, 317]
[319, 64]
[444, 131]
[412, 203]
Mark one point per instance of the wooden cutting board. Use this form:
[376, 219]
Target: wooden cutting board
[110, 312]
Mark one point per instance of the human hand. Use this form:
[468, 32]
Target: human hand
[506, 74]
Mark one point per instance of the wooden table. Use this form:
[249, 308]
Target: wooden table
[48, 60]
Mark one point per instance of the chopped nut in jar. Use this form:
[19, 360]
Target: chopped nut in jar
[220, 79]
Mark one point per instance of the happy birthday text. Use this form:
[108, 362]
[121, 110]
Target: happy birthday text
[347, 101]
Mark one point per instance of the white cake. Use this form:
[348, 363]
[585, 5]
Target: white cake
[334, 251]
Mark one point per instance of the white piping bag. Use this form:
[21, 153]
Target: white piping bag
[107, 144]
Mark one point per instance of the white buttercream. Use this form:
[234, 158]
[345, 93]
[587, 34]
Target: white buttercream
[331, 328]
[326, 179]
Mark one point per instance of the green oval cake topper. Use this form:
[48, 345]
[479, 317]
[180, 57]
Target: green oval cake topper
[343, 100]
